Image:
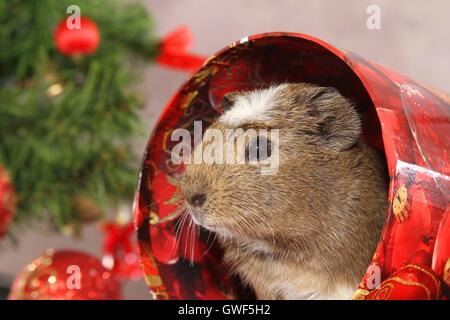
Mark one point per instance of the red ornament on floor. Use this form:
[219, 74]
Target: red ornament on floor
[77, 41]
[65, 275]
[7, 201]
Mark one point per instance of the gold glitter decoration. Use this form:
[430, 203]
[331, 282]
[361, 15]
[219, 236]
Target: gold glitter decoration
[360, 294]
[187, 99]
[154, 219]
[446, 275]
[399, 204]
[154, 281]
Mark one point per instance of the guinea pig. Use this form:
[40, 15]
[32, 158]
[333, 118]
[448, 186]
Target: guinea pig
[307, 231]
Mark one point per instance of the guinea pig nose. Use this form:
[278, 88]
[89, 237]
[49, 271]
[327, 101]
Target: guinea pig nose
[198, 199]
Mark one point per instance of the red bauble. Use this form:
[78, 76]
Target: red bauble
[7, 201]
[65, 275]
[82, 41]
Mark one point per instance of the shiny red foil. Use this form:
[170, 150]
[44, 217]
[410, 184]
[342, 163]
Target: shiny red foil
[407, 120]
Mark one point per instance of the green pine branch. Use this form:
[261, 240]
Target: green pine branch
[78, 142]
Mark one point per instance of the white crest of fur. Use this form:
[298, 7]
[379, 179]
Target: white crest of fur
[251, 107]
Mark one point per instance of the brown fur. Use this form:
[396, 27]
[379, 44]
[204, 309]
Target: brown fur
[309, 231]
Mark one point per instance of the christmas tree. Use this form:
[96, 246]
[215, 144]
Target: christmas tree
[67, 106]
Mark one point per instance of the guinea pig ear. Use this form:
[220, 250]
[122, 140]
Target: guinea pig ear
[335, 118]
[228, 100]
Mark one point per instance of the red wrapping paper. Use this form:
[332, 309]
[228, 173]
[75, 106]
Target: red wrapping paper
[407, 120]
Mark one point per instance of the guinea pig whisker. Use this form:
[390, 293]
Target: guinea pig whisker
[174, 245]
[193, 238]
[165, 245]
[211, 244]
[155, 202]
[159, 201]
[180, 219]
[209, 236]
[187, 219]
[187, 237]
[176, 224]
[191, 242]
[176, 194]
[179, 226]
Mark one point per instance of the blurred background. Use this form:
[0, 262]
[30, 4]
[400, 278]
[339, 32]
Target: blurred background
[413, 40]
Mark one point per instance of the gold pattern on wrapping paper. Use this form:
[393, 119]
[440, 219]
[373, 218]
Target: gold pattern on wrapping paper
[384, 292]
[233, 44]
[154, 219]
[176, 199]
[153, 281]
[208, 60]
[399, 205]
[446, 273]
[159, 295]
[412, 283]
[436, 282]
[171, 216]
[212, 59]
[187, 99]
[360, 294]
[200, 77]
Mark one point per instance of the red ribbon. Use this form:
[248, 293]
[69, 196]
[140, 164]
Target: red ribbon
[119, 246]
[117, 237]
[174, 51]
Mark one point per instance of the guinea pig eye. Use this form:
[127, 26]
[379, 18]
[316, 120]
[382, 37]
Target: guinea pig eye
[258, 149]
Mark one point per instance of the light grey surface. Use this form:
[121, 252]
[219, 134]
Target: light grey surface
[414, 40]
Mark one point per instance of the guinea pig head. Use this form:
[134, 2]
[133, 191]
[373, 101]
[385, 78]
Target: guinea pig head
[281, 182]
